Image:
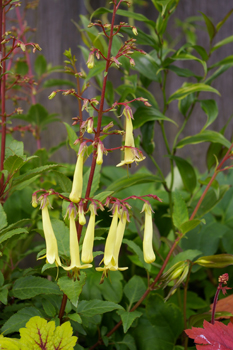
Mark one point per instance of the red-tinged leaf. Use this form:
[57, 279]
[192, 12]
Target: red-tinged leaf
[225, 304]
[215, 336]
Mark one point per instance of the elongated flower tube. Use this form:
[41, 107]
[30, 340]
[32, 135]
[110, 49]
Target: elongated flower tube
[88, 242]
[100, 150]
[81, 216]
[130, 152]
[50, 239]
[75, 263]
[76, 192]
[111, 239]
[148, 253]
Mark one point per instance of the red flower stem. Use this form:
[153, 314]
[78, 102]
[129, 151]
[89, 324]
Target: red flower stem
[3, 90]
[215, 302]
[93, 164]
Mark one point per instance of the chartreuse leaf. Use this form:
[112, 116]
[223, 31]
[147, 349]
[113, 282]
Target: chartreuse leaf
[210, 27]
[210, 107]
[40, 334]
[227, 60]
[180, 211]
[146, 114]
[187, 173]
[9, 343]
[19, 319]
[204, 136]
[96, 307]
[72, 288]
[128, 318]
[134, 289]
[189, 89]
[3, 218]
[136, 179]
[31, 286]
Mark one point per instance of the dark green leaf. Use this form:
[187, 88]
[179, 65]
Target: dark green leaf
[3, 218]
[48, 308]
[137, 250]
[180, 211]
[187, 173]
[134, 289]
[13, 163]
[189, 225]
[72, 288]
[129, 341]
[205, 136]
[31, 286]
[210, 27]
[210, 107]
[145, 114]
[147, 143]
[135, 179]
[128, 318]
[64, 182]
[96, 307]
[4, 296]
[146, 65]
[12, 233]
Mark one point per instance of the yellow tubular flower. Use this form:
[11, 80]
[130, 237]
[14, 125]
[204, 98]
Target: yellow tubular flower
[50, 239]
[81, 219]
[88, 242]
[76, 192]
[130, 154]
[111, 239]
[99, 159]
[149, 255]
[75, 263]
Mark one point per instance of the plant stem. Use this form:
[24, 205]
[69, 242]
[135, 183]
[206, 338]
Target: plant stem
[3, 90]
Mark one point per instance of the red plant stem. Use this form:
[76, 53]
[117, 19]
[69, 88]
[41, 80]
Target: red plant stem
[100, 113]
[215, 302]
[3, 88]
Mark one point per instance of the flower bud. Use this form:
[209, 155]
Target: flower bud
[81, 216]
[220, 260]
[100, 148]
[52, 95]
[90, 61]
[90, 124]
[134, 30]
[34, 200]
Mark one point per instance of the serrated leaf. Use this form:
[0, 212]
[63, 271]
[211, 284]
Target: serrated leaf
[19, 319]
[180, 211]
[31, 286]
[132, 180]
[189, 89]
[72, 288]
[72, 136]
[45, 336]
[210, 107]
[3, 218]
[145, 114]
[128, 318]
[205, 136]
[12, 233]
[96, 307]
[8, 343]
[134, 289]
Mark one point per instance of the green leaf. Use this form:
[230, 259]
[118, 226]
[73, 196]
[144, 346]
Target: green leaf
[135, 179]
[210, 107]
[72, 136]
[95, 183]
[147, 142]
[181, 72]
[187, 173]
[96, 307]
[48, 308]
[129, 341]
[145, 114]
[21, 67]
[19, 319]
[98, 68]
[134, 289]
[220, 24]
[227, 60]
[63, 237]
[103, 195]
[189, 225]
[31, 286]
[14, 148]
[58, 82]
[205, 136]
[211, 199]
[3, 218]
[180, 211]
[210, 27]
[64, 182]
[137, 250]
[4, 295]
[128, 318]
[13, 163]
[75, 318]
[1, 279]
[183, 56]
[221, 43]
[40, 65]
[12, 233]
[72, 288]
[190, 88]
[146, 65]
[218, 72]
[42, 335]
[112, 289]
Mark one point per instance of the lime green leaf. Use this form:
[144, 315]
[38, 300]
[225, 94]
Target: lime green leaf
[96, 307]
[218, 72]
[45, 336]
[12, 233]
[3, 218]
[72, 136]
[31, 286]
[145, 114]
[134, 289]
[40, 65]
[58, 82]
[180, 211]
[205, 136]
[72, 288]
[189, 89]
[210, 27]
[19, 320]
[187, 173]
[128, 318]
[9, 343]
[136, 179]
[210, 107]
[223, 42]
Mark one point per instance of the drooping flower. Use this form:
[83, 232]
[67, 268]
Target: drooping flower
[77, 186]
[111, 239]
[75, 263]
[88, 242]
[148, 253]
[100, 151]
[50, 238]
[81, 216]
[131, 154]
